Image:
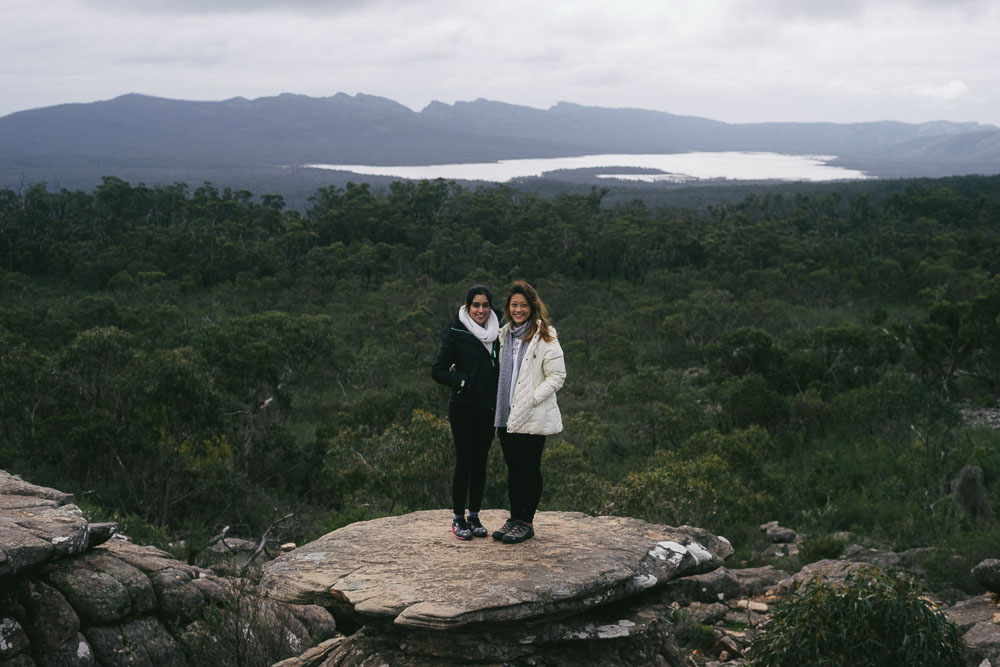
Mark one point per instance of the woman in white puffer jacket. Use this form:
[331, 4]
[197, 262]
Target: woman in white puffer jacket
[531, 372]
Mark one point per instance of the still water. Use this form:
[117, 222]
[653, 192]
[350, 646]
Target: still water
[671, 167]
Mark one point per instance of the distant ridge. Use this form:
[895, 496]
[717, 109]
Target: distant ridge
[136, 132]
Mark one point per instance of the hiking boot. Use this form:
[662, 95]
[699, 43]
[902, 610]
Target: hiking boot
[519, 533]
[504, 529]
[461, 529]
[476, 526]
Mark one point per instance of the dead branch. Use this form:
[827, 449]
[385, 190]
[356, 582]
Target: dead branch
[263, 541]
[219, 537]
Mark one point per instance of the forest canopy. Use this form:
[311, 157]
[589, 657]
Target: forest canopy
[182, 359]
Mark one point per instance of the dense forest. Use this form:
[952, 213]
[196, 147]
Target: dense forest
[183, 360]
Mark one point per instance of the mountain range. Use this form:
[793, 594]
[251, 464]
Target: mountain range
[167, 138]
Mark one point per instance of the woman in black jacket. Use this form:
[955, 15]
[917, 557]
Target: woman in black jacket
[467, 362]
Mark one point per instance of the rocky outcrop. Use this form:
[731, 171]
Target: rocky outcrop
[40, 524]
[71, 596]
[584, 590]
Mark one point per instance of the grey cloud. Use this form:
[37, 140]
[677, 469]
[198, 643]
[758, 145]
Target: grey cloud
[166, 7]
[853, 10]
[975, 6]
[809, 10]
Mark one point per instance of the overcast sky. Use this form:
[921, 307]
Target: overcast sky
[731, 60]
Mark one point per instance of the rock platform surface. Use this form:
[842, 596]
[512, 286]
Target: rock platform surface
[410, 569]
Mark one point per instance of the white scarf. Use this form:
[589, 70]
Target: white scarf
[487, 334]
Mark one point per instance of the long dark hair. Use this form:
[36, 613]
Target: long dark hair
[539, 318]
[471, 293]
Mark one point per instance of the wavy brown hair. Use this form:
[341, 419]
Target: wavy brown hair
[539, 319]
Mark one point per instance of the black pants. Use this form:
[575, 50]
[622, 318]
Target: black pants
[523, 455]
[472, 429]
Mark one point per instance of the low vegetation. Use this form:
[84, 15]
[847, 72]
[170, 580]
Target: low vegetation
[871, 619]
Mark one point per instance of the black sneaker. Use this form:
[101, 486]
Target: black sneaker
[504, 529]
[461, 529]
[519, 533]
[476, 526]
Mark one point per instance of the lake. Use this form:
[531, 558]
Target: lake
[670, 167]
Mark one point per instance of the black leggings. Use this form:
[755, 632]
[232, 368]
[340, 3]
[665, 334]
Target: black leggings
[523, 454]
[472, 429]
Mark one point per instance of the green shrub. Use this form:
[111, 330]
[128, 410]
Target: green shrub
[870, 619]
[699, 636]
[821, 547]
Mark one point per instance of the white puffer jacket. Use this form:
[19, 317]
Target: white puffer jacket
[534, 409]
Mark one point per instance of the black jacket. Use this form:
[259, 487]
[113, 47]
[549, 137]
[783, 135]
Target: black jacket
[463, 364]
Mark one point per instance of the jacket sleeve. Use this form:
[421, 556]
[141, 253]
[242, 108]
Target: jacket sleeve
[553, 371]
[442, 368]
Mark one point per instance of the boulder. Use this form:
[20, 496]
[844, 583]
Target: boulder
[75, 653]
[726, 648]
[706, 613]
[13, 639]
[755, 581]
[230, 545]
[317, 620]
[292, 633]
[35, 534]
[987, 574]
[778, 534]
[37, 524]
[827, 569]
[212, 589]
[102, 589]
[142, 641]
[743, 615]
[883, 558]
[716, 586]
[147, 559]
[178, 597]
[99, 533]
[726, 584]
[779, 551]
[423, 578]
[49, 620]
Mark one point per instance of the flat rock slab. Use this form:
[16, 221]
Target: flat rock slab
[12, 485]
[409, 569]
[975, 621]
[37, 524]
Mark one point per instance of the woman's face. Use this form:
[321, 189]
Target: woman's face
[479, 309]
[520, 311]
